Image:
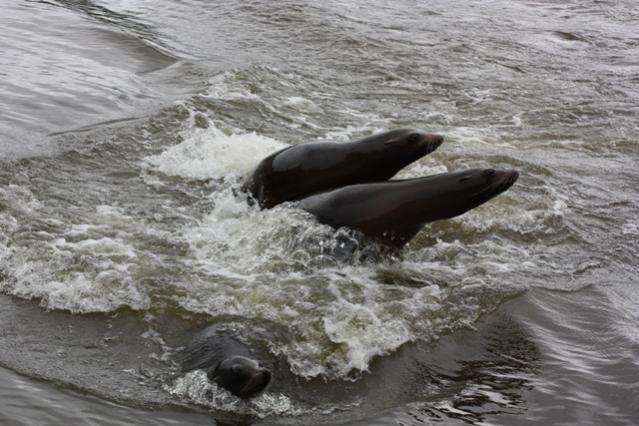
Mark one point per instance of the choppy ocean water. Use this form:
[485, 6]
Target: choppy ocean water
[127, 127]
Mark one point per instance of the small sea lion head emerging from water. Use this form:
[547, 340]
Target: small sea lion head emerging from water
[243, 377]
[227, 361]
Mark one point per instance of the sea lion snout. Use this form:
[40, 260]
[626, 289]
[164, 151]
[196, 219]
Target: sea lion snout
[507, 177]
[511, 177]
[504, 179]
[432, 139]
[437, 139]
[259, 381]
[243, 377]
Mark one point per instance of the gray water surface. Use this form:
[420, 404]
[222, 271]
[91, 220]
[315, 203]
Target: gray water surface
[127, 128]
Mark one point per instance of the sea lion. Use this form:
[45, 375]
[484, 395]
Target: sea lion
[226, 361]
[301, 170]
[393, 212]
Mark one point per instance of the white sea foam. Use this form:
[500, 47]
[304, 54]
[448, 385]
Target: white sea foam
[225, 86]
[356, 319]
[271, 265]
[82, 271]
[196, 388]
[424, 167]
[212, 154]
[301, 103]
[377, 334]
[630, 228]
[97, 276]
[274, 265]
[350, 133]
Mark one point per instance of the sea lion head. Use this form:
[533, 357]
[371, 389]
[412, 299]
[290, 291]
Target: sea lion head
[401, 147]
[487, 183]
[468, 189]
[243, 377]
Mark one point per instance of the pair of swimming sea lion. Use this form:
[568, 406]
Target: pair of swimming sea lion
[346, 184]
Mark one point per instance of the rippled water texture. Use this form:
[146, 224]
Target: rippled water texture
[127, 128]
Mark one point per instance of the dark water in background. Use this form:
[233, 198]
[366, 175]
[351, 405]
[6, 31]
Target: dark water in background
[126, 126]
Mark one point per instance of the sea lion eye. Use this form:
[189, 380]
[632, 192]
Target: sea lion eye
[413, 138]
[464, 179]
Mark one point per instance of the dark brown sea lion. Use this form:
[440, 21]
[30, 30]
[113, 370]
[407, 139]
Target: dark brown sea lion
[226, 361]
[393, 212]
[305, 169]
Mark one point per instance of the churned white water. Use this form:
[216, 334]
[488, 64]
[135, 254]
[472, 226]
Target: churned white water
[211, 154]
[196, 388]
[127, 130]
